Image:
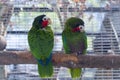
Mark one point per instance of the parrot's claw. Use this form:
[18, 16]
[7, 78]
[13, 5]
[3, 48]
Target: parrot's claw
[71, 62]
[79, 53]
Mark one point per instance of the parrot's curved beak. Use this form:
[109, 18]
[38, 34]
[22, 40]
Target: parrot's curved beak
[49, 21]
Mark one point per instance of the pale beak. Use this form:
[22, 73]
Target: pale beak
[49, 21]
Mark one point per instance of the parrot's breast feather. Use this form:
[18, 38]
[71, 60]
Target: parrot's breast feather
[74, 42]
[41, 42]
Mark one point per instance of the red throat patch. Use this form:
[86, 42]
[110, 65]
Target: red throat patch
[76, 29]
[45, 23]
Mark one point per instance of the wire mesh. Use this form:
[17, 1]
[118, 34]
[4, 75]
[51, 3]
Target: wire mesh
[101, 24]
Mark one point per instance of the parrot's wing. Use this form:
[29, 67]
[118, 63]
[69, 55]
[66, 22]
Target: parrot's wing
[85, 43]
[65, 43]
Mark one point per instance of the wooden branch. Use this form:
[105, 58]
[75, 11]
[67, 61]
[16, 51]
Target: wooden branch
[60, 59]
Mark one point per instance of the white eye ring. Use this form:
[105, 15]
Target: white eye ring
[81, 26]
[45, 18]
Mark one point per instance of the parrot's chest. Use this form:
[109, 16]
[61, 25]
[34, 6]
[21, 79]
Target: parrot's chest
[41, 43]
[76, 43]
[44, 37]
[40, 38]
[74, 38]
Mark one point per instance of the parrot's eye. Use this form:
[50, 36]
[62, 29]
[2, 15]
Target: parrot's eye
[45, 18]
[81, 26]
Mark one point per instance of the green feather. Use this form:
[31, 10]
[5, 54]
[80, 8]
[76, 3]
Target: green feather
[75, 73]
[41, 43]
[74, 42]
[45, 71]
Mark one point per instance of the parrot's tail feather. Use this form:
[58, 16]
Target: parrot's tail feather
[46, 61]
[76, 73]
[46, 70]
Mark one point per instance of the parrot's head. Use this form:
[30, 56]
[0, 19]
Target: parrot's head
[41, 22]
[75, 24]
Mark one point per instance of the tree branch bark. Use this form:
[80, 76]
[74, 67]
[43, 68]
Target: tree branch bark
[60, 59]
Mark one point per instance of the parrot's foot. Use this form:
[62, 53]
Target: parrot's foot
[79, 53]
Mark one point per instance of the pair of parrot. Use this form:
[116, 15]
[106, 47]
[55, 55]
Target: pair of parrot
[41, 42]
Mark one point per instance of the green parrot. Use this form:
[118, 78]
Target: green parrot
[41, 41]
[74, 41]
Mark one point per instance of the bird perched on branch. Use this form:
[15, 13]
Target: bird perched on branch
[74, 41]
[41, 41]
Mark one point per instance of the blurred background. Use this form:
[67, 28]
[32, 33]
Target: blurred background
[102, 24]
